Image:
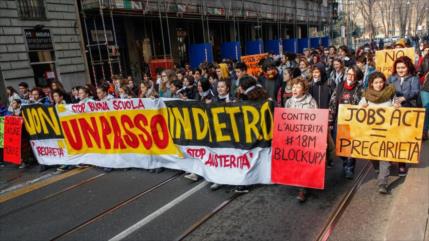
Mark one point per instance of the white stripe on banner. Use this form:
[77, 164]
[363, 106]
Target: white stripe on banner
[158, 212]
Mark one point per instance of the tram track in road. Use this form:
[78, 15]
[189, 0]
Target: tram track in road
[115, 207]
[335, 216]
[49, 196]
[206, 217]
[5, 184]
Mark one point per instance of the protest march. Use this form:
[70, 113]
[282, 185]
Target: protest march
[266, 119]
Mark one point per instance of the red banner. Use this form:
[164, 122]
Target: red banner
[12, 139]
[299, 147]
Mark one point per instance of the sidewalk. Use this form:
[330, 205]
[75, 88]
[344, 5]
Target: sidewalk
[409, 219]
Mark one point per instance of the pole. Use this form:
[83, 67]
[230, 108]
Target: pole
[105, 38]
[89, 49]
[168, 32]
[115, 39]
[99, 50]
[82, 43]
[162, 28]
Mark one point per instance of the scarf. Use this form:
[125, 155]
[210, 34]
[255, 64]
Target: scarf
[223, 98]
[349, 87]
[206, 93]
[382, 96]
[252, 88]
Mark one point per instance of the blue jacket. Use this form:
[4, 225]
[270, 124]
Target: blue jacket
[369, 71]
[410, 89]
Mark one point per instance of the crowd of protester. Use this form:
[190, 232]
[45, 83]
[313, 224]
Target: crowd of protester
[317, 78]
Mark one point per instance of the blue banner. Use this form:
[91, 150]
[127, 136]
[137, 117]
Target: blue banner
[302, 44]
[230, 50]
[314, 42]
[200, 53]
[289, 45]
[254, 47]
[325, 41]
[273, 46]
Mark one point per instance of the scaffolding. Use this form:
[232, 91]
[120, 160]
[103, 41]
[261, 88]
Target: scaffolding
[104, 52]
[111, 57]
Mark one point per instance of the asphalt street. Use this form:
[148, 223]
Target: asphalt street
[138, 205]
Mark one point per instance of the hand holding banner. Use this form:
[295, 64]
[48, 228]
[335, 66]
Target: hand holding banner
[299, 147]
[380, 133]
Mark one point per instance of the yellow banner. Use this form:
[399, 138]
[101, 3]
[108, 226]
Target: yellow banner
[380, 133]
[131, 131]
[384, 59]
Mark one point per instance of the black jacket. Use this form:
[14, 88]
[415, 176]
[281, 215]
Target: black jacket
[322, 90]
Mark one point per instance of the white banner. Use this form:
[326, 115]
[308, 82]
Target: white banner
[226, 144]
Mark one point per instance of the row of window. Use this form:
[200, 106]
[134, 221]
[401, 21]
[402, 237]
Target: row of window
[31, 9]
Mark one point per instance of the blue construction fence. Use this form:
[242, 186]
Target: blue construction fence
[203, 52]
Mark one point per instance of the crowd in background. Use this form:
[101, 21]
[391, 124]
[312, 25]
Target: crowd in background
[317, 78]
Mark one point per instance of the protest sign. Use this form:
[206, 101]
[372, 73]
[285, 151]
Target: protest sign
[384, 59]
[41, 122]
[12, 139]
[252, 62]
[299, 147]
[1, 131]
[225, 143]
[380, 133]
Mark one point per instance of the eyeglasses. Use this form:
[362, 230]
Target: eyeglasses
[348, 74]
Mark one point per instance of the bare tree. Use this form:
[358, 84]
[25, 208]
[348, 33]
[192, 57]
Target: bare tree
[384, 13]
[367, 9]
[421, 11]
[403, 9]
[410, 20]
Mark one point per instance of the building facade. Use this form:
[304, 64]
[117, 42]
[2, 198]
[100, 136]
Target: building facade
[123, 36]
[40, 41]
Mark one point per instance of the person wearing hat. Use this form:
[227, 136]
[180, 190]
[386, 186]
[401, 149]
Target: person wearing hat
[400, 44]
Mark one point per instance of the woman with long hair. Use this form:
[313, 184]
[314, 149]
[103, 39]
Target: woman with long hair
[407, 87]
[379, 93]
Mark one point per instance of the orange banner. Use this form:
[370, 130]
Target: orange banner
[252, 62]
[380, 133]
